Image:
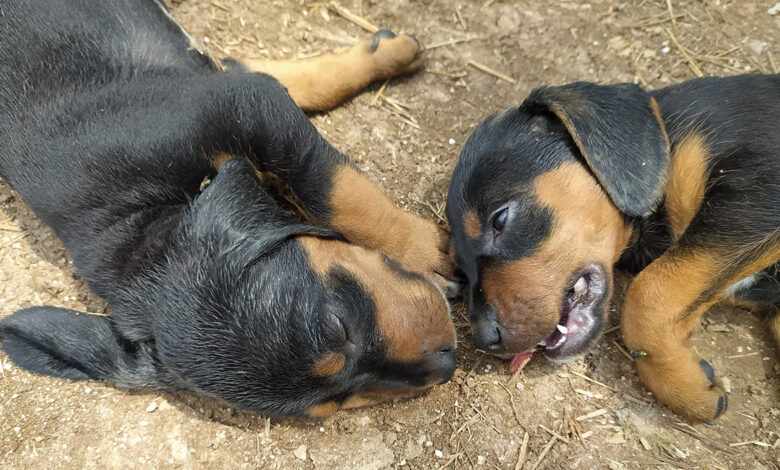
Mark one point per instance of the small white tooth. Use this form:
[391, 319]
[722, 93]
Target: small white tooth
[562, 329]
[543, 344]
[560, 342]
[581, 284]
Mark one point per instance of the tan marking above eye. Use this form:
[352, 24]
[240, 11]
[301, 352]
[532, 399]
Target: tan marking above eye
[686, 183]
[329, 364]
[471, 224]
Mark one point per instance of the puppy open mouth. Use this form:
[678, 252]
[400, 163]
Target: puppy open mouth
[581, 318]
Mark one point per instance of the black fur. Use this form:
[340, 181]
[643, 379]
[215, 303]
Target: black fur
[108, 118]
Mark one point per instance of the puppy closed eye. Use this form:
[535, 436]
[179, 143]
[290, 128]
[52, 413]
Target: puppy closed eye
[336, 330]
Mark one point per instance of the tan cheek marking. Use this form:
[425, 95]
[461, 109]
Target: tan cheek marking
[329, 364]
[411, 315]
[686, 183]
[323, 410]
[586, 228]
[471, 224]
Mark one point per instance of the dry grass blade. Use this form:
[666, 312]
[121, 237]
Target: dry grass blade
[747, 443]
[583, 376]
[450, 75]
[610, 330]
[488, 70]
[553, 433]
[220, 6]
[772, 62]
[622, 350]
[758, 67]
[691, 63]
[379, 92]
[544, 452]
[707, 442]
[671, 13]
[358, 20]
[12, 241]
[592, 414]
[450, 42]
[460, 18]
[9, 228]
[436, 212]
[398, 107]
[523, 452]
[737, 356]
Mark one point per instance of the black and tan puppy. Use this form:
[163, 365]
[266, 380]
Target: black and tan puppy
[110, 119]
[680, 184]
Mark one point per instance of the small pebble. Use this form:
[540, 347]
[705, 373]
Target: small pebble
[452, 141]
[438, 453]
[152, 407]
[300, 452]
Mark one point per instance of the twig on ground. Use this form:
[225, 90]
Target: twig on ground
[691, 62]
[358, 20]
[379, 92]
[671, 13]
[592, 414]
[553, 433]
[488, 70]
[450, 42]
[583, 376]
[544, 452]
[625, 353]
[523, 452]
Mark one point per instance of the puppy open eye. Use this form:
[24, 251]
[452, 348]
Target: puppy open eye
[499, 219]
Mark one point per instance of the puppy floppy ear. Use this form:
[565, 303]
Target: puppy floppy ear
[72, 345]
[619, 133]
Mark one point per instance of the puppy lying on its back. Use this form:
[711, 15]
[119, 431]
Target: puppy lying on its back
[110, 120]
[681, 184]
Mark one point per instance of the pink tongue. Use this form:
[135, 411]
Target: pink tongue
[520, 360]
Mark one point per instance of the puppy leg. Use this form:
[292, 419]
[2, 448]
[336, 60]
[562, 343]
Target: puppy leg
[322, 82]
[665, 303]
[253, 114]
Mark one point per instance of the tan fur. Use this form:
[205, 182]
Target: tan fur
[367, 217]
[686, 183]
[661, 309]
[587, 229]
[329, 364]
[471, 224]
[411, 314]
[323, 410]
[322, 82]
[774, 326]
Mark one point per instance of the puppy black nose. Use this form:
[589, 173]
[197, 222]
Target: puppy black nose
[446, 364]
[487, 336]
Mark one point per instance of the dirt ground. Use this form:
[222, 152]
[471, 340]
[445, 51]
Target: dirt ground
[480, 418]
